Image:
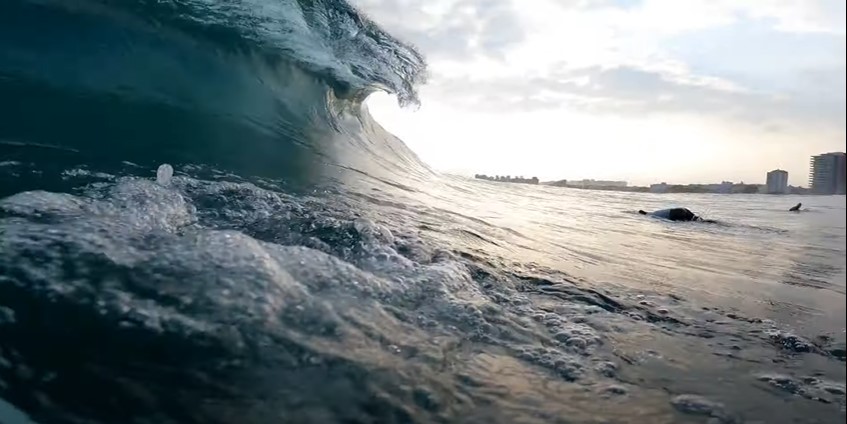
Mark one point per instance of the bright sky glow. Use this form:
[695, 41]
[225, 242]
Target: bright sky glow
[641, 90]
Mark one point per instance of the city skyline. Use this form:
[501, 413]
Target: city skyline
[795, 179]
[643, 90]
[776, 181]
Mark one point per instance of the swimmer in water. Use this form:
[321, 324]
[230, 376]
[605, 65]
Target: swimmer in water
[796, 208]
[676, 214]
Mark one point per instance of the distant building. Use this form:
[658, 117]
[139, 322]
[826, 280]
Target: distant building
[597, 183]
[777, 182]
[559, 183]
[797, 190]
[827, 173]
[659, 188]
[725, 187]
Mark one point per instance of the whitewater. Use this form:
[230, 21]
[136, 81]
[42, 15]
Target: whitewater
[200, 222]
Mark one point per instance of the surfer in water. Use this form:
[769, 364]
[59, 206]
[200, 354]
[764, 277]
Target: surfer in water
[676, 214]
[796, 208]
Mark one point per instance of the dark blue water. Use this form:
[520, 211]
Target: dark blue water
[303, 266]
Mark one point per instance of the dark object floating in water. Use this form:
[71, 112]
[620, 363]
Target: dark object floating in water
[675, 214]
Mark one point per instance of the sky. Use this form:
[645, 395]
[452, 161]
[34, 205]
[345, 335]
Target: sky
[682, 91]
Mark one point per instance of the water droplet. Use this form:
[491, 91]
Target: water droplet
[164, 174]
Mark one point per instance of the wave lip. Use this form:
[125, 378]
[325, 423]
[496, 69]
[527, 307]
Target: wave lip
[329, 38]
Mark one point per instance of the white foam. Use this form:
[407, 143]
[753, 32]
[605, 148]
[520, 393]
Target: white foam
[698, 405]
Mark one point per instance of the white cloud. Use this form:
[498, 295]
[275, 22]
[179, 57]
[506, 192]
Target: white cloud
[802, 15]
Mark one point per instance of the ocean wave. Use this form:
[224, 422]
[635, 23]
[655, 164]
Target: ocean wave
[330, 39]
[270, 88]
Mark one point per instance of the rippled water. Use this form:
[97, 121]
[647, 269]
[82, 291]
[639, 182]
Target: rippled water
[210, 301]
[758, 258]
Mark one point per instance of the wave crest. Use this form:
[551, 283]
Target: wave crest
[261, 87]
[330, 39]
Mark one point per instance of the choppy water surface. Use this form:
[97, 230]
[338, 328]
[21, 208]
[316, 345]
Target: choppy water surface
[300, 265]
[758, 257]
[212, 301]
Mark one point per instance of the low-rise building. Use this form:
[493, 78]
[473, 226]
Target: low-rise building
[659, 188]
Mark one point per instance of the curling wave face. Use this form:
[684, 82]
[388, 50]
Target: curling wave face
[270, 88]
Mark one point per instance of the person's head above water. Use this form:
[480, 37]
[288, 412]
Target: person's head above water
[642, 212]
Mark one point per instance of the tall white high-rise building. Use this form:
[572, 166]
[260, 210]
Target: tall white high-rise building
[777, 182]
[827, 173]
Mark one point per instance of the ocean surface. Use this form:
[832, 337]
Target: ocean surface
[302, 265]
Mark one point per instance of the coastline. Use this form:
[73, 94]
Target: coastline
[724, 188]
[641, 189]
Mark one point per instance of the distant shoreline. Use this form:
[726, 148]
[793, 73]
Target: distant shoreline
[639, 189]
[724, 188]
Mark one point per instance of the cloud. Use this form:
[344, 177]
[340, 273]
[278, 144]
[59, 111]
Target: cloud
[673, 16]
[632, 57]
[800, 16]
[628, 90]
[451, 29]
